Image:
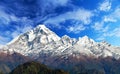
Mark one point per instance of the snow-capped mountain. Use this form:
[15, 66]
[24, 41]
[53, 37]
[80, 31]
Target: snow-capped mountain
[42, 40]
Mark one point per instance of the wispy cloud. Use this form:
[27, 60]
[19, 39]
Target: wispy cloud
[75, 28]
[115, 32]
[20, 30]
[4, 40]
[80, 15]
[4, 17]
[100, 27]
[58, 2]
[109, 19]
[105, 6]
[48, 6]
[104, 27]
[23, 24]
[103, 24]
[11, 34]
[114, 16]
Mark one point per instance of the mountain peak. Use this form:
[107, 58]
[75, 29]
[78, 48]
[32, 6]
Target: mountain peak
[41, 26]
[42, 29]
[86, 40]
[85, 37]
[40, 34]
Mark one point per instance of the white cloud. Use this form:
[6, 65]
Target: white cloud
[11, 35]
[100, 27]
[20, 30]
[103, 25]
[115, 32]
[104, 28]
[6, 18]
[105, 6]
[76, 28]
[80, 15]
[50, 5]
[109, 19]
[58, 2]
[54, 3]
[114, 16]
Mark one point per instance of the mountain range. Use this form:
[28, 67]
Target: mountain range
[42, 40]
[74, 55]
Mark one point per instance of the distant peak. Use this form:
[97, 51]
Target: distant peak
[85, 37]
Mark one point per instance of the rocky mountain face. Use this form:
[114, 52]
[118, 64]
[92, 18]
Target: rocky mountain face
[82, 55]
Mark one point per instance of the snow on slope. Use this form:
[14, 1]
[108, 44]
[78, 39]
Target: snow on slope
[42, 40]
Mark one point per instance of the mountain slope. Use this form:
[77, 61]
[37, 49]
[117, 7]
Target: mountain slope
[9, 61]
[83, 64]
[35, 68]
[34, 39]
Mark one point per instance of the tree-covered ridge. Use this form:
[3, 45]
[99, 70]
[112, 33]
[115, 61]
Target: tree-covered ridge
[35, 68]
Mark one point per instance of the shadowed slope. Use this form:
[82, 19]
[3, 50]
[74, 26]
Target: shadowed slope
[9, 61]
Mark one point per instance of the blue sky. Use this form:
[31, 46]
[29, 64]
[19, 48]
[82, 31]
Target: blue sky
[98, 19]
